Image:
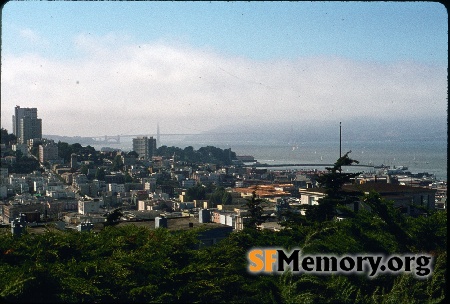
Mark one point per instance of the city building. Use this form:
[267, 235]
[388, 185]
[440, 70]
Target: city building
[73, 161]
[48, 152]
[89, 206]
[144, 146]
[26, 125]
[22, 148]
[405, 198]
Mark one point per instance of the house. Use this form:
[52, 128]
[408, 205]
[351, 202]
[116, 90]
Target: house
[404, 197]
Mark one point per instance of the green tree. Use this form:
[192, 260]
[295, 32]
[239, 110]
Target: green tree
[64, 151]
[336, 198]
[198, 192]
[7, 139]
[100, 173]
[220, 196]
[227, 198]
[394, 220]
[113, 217]
[128, 178]
[35, 151]
[256, 212]
[84, 169]
[133, 153]
[117, 164]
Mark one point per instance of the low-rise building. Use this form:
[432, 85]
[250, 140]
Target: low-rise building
[89, 206]
[404, 197]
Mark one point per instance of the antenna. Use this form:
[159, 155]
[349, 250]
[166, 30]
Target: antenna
[340, 139]
[340, 145]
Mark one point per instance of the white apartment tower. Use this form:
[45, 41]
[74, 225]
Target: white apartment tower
[26, 125]
[145, 147]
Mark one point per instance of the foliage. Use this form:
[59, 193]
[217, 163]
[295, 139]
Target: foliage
[117, 164]
[208, 154]
[255, 211]
[23, 164]
[393, 220]
[7, 138]
[99, 174]
[65, 151]
[220, 196]
[138, 265]
[113, 217]
[335, 199]
[197, 192]
[135, 264]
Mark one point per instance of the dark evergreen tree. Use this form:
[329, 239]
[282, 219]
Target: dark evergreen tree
[256, 212]
[7, 139]
[100, 173]
[336, 198]
[198, 192]
[113, 217]
[117, 164]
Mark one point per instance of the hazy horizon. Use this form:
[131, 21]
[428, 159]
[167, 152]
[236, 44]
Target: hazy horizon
[111, 68]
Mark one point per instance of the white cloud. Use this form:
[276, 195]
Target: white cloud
[129, 88]
[33, 37]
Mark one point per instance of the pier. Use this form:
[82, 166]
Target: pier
[302, 165]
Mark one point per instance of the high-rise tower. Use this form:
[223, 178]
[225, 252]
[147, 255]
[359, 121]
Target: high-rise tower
[145, 147]
[26, 125]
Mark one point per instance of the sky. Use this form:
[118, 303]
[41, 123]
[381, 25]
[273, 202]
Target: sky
[120, 68]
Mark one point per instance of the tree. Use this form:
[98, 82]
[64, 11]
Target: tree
[35, 151]
[64, 151]
[117, 164]
[394, 220]
[7, 139]
[84, 169]
[255, 209]
[19, 155]
[336, 198]
[100, 173]
[227, 198]
[220, 196]
[198, 192]
[133, 153]
[113, 217]
[128, 178]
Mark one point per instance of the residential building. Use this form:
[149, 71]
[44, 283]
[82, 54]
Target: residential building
[89, 206]
[26, 125]
[48, 152]
[404, 197]
[12, 211]
[113, 187]
[145, 147]
[73, 161]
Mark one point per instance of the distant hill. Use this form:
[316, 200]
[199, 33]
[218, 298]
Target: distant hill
[361, 129]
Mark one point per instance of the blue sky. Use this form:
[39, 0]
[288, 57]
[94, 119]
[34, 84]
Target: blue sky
[135, 60]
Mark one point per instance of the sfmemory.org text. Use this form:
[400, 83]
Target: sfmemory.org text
[275, 260]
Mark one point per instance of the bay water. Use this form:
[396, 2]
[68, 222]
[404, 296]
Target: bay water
[418, 155]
